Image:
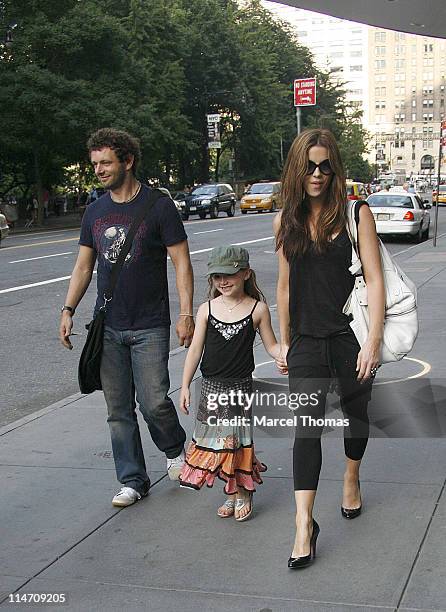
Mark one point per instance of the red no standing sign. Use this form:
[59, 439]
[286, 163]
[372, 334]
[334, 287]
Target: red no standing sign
[305, 92]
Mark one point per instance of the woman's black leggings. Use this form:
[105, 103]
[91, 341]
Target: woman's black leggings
[312, 363]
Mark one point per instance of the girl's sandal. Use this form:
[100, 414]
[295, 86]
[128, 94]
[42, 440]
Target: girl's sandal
[240, 504]
[229, 505]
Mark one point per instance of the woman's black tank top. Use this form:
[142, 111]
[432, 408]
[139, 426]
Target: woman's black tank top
[319, 287]
[228, 348]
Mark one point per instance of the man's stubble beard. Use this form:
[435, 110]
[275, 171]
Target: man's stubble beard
[119, 181]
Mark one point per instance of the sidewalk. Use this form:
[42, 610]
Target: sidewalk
[169, 552]
[71, 220]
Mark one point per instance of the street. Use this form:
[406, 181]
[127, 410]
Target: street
[38, 371]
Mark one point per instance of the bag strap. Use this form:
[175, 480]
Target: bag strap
[153, 197]
[352, 225]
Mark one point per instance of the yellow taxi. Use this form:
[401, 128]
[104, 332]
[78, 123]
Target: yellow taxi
[260, 197]
[356, 191]
[439, 196]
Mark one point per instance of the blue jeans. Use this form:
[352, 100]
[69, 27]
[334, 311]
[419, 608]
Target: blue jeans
[138, 361]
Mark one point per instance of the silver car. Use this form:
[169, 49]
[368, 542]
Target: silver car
[4, 227]
[400, 213]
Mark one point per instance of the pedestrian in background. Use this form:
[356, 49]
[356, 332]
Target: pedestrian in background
[315, 253]
[136, 338]
[223, 341]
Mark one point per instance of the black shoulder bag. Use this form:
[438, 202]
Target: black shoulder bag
[89, 371]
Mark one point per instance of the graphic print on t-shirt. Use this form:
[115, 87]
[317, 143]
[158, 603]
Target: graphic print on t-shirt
[110, 233]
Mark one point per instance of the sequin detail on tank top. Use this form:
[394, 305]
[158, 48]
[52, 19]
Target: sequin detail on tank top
[229, 330]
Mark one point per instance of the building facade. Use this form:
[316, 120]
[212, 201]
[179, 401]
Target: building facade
[406, 100]
[396, 79]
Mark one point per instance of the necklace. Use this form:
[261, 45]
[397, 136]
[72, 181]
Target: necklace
[131, 197]
[232, 307]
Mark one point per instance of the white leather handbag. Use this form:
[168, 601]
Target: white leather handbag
[401, 318]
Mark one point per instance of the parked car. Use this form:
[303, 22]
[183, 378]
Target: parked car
[401, 213]
[4, 228]
[210, 198]
[439, 195]
[177, 202]
[260, 197]
[356, 191]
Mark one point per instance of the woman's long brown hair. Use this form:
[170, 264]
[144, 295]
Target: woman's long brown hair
[294, 234]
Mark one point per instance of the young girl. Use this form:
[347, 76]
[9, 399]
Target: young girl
[226, 326]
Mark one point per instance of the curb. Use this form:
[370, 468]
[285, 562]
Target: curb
[71, 399]
[40, 413]
[22, 231]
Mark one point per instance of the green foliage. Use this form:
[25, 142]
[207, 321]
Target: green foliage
[155, 68]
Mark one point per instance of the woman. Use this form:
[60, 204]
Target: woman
[314, 283]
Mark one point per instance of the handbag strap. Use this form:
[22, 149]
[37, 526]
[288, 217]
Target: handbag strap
[352, 224]
[142, 214]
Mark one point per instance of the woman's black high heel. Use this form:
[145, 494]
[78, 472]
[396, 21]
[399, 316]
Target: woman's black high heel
[299, 562]
[351, 513]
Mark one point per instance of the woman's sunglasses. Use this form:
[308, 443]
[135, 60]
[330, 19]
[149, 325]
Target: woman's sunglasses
[324, 167]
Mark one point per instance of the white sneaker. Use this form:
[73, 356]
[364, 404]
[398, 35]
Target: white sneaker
[174, 466]
[126, 497]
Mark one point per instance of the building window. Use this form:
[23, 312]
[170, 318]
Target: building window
[414, 90]
[356, 68]
[380, 91]
[380, 36]
[400, 64]
[428, 61]
[428, 103]
[380, 50]
[442, 88]
[400, 50]
[428, 89]
[380, 64]
[414, 103]
[380, 77]
[380, 104]
[414, 116]
[414, 62]
[400, 91]
[357, 53]
[428, 117]
[400, 117]
[428, 76]
[400, 36]
[400, 76]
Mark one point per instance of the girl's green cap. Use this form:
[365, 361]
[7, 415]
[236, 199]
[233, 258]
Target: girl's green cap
[227, 260]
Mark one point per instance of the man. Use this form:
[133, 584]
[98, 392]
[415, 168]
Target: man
[136, 338]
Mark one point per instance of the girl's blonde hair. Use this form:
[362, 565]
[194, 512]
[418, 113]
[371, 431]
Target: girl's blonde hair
[294, 233]
[251, 288]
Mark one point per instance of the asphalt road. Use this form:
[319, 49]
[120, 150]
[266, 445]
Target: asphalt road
[35, 269]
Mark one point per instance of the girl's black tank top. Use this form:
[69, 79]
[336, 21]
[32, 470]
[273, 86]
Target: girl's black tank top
[319, 287]
[228, 347]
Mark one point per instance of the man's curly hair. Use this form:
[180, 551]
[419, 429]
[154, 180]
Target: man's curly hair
[122, 143]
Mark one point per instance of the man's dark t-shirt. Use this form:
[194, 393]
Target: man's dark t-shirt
[140, 299]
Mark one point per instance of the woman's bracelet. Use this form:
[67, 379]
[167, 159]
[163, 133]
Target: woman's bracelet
[185, 314]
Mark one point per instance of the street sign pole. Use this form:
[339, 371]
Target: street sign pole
[298, 119]
[434, 241]
[441, 152]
